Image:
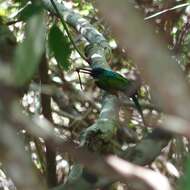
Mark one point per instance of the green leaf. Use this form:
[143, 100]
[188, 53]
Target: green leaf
[29, 52]
[60, 47]
[27, 11]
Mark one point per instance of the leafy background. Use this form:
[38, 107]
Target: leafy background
[55, 135]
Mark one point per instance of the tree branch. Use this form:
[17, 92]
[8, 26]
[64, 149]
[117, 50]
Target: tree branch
[46, 111]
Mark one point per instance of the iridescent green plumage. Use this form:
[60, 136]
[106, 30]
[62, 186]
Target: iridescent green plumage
[111, 81]
[114, 83]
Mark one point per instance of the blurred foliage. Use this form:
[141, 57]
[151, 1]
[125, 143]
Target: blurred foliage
[31, 36]
[29, 52]
[27, 11]
[60, 47]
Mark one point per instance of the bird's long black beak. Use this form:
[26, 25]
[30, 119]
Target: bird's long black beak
[84, 70]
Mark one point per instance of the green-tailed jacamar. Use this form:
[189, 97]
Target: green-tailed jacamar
[114, 83]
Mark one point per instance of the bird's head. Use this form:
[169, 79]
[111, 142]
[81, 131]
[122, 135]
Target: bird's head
[95, 72]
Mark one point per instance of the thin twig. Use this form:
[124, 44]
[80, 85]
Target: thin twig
[166, 10]
[12, 22]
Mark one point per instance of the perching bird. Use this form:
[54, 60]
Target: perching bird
[113, 83]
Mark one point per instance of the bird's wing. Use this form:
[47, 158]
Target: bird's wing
[118, 82]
